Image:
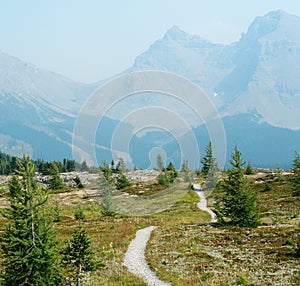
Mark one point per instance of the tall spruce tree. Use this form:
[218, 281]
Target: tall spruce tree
[105, 185]
[296, 177]
[159, 162]
[106, 171]
[210, 168]
[212, 176]
[55, 182]
[209, 162]
[239, 202]
[28, 242]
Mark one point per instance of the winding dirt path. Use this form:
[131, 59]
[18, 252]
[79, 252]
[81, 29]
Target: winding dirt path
[202, 205]
[135, 260]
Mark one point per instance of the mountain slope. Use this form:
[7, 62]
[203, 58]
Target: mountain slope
[195, 58]
[255, 84]
[259, 72]
[272, 85]
[26, 83]
[43, 103]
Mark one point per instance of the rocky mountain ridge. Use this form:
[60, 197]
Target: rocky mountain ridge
[254, 82]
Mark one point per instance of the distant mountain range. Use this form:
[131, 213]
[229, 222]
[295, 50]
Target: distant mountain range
[37, 109]
[258, 73]
[255, 84]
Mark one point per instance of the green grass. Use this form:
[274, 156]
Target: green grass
[184, 249]
[197, 254]
[201, 255]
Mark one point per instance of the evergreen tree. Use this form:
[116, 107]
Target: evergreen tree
[122, 182]
[185, 166]
[209, 162]
[112, 165]
[78, 256]
[107, 172]
[105, 185]
[55, 182]
[168, 175]
[41, 167]
[79, 214]
[163, 179]
[296, 177]
[170, 167]
[28, 241]
[56, 212]
[187, 174]
[239, 202]
[172, 172]
[71, 166]
[212, 176]
[278, 173]
[7, 164]
[84, 167]
[159, 162]
[65, 165]
[121, 166]
[210, 168]
[249, 169]
[78, 183]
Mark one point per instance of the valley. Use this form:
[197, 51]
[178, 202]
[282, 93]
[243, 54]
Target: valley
[180, 168]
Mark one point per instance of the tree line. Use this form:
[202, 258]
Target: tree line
[8, 165]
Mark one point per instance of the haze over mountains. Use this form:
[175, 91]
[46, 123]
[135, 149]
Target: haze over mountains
[255, 84]
[258, 73]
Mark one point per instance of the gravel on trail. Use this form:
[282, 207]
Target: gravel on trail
[202, 205]
[135, 260]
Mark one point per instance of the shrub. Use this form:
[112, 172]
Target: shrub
[288, 241]
[79, 215]
[163, 179]
[78, 182]
[122, 182]
[241, 280]
[249, 170]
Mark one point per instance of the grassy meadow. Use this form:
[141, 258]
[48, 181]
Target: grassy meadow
[185, 249]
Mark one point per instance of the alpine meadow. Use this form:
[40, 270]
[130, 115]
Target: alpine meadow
[171, 159]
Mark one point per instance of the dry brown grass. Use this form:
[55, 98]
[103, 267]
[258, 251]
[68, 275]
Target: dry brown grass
[184, 249]
[203, 255]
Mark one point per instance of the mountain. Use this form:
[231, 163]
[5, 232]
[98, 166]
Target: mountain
[27, 84]
[258, 73]
[195, 58]
[37, 108]
[267, 69]
[254, 82]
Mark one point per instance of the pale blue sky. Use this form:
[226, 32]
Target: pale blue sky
[90, 40]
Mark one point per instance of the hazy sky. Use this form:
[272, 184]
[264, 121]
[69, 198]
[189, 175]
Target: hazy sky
[89, 40]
